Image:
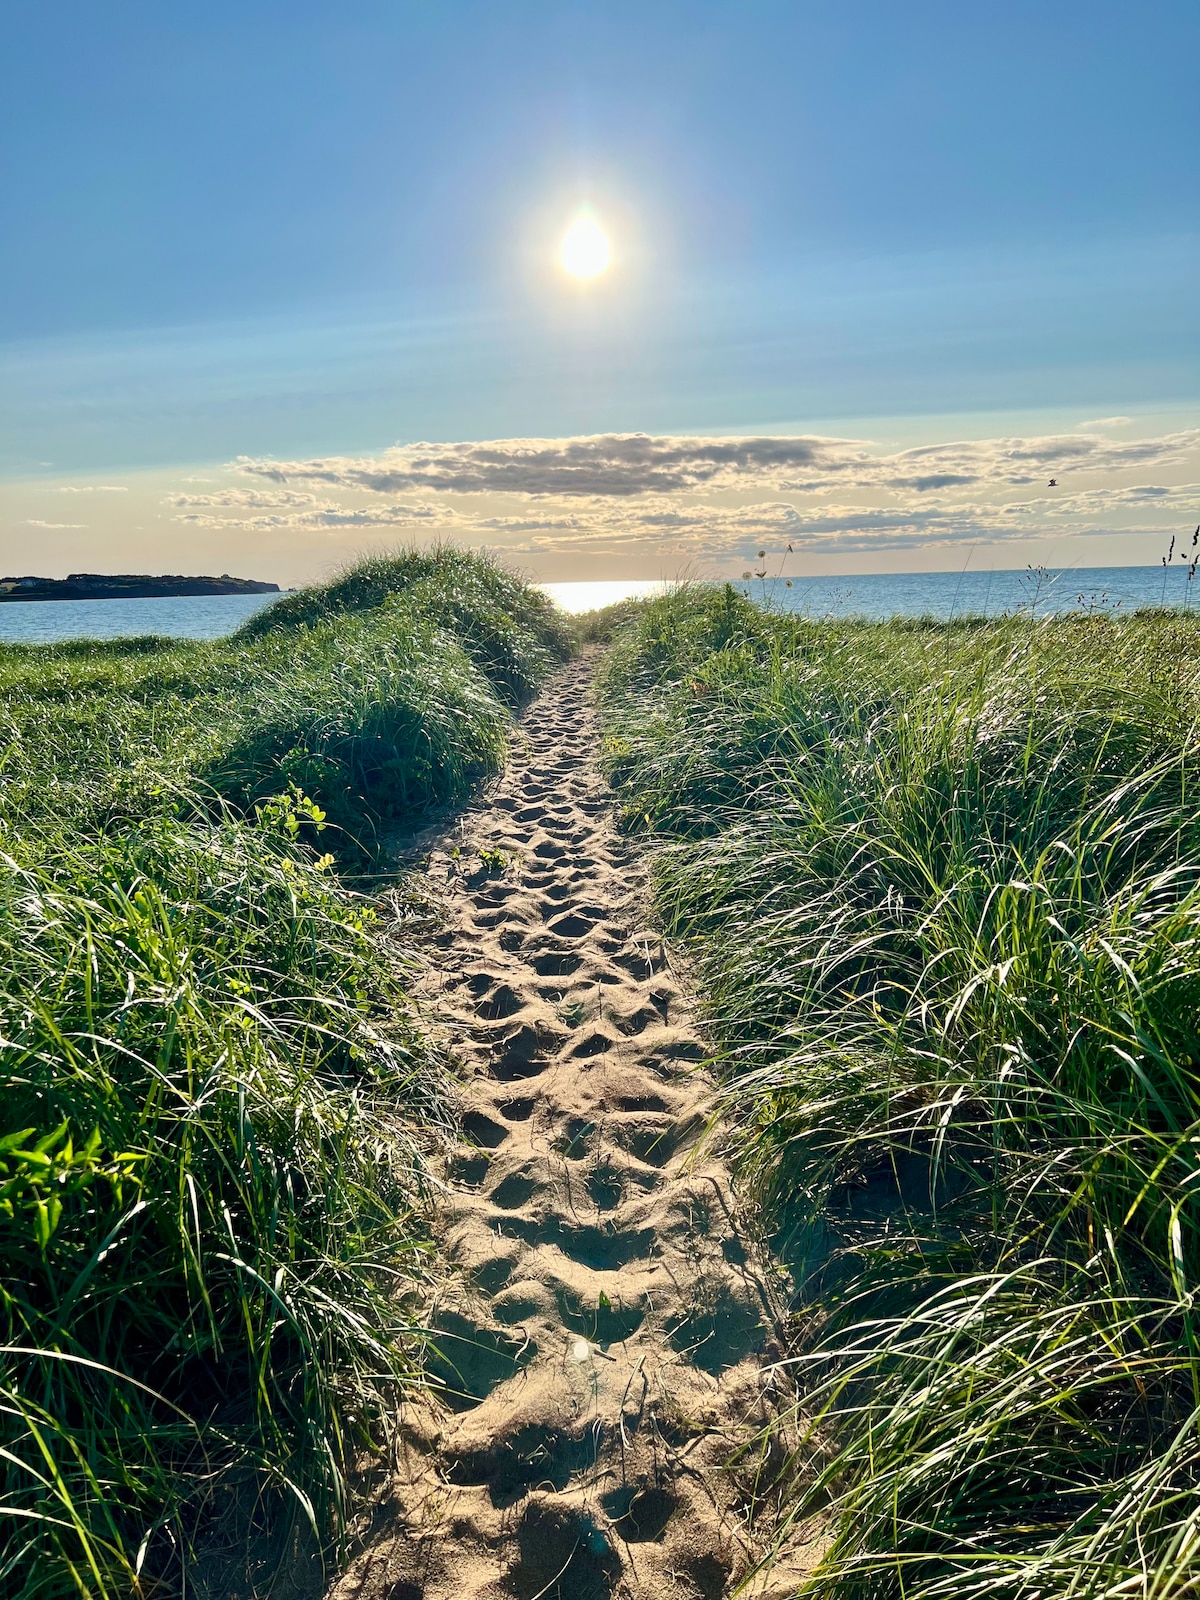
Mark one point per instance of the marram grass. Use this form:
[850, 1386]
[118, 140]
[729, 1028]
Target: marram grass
[943, 885]
[211, 1183]
[378, 710]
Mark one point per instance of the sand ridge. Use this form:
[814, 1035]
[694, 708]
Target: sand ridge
[605, 1334]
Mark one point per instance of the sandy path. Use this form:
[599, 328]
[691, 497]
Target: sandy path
[606, 1329]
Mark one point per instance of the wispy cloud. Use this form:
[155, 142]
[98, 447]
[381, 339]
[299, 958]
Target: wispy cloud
[721, 531]
[255, 508]
[239, 500]
[38, 522]
[93, 488]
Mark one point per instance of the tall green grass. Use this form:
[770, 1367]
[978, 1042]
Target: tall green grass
[510, 631]
[378, 702]
[211, 1183]
[943, 883]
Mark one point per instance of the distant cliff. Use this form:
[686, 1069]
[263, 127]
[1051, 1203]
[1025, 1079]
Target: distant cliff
[126, 586]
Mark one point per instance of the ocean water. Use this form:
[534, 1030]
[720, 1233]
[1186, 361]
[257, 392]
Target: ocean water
[981, 594]
[204, 616]
[876, 595]
[935, 594]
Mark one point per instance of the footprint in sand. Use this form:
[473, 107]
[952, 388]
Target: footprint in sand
[601, 1339]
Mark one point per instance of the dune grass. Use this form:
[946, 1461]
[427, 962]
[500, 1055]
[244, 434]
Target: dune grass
[942, 882]
[211, 1179]
[378, 702]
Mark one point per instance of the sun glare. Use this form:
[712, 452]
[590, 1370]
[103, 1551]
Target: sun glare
[585, 250]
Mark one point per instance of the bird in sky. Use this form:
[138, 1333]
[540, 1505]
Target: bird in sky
[1053, 484]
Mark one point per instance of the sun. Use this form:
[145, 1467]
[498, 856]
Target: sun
[585, 251]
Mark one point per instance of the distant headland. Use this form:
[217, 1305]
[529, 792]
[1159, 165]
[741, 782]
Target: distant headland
[126, 586]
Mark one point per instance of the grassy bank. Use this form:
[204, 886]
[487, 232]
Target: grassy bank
[210, 1186]
[943, 886]
[380, 694]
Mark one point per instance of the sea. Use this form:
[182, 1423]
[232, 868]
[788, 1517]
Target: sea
[200, 616]
[874, 595]
[879, 595]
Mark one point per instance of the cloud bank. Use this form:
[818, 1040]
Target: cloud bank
[623, 465]
[717, 499]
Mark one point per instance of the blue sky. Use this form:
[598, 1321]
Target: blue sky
[299, 230]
